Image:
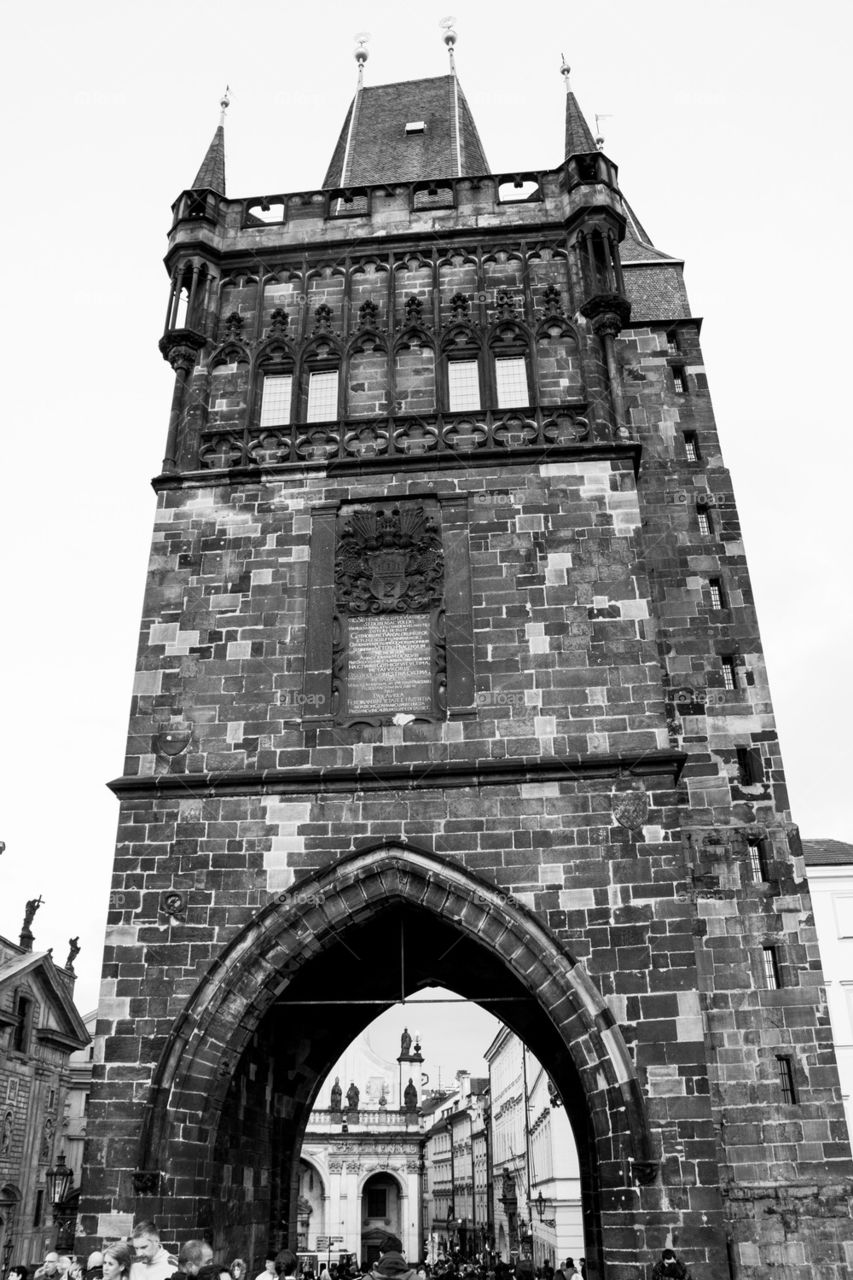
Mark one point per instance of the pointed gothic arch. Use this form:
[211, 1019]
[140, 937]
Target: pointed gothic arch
[568, 1022]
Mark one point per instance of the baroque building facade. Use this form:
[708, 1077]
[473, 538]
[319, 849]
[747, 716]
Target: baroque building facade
[449, 672]
[361, 1157]
[40, 1030]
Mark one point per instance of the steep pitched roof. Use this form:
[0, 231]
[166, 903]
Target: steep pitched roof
[374, 146]
[211, 175]
[579, 139]
[827, 853]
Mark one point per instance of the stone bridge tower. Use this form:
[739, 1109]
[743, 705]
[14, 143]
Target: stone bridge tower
[449, 672]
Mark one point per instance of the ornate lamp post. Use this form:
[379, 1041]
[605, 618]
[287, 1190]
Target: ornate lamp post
[58, 1182]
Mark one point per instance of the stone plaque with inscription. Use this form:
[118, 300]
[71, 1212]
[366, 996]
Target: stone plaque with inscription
[389, 664]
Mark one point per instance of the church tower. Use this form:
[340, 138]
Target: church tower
[449, 673]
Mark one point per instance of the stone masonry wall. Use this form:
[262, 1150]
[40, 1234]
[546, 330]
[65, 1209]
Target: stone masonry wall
[614, 640]
[783, 1149]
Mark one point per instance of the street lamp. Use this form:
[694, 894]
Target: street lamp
[541, 1208]
[58, 1182]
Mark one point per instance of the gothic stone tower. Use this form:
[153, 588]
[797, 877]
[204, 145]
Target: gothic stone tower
[449, 673]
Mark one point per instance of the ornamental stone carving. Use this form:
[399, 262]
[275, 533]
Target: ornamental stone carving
[631, 809]
[389, 560]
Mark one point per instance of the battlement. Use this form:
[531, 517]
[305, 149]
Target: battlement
[526, 198]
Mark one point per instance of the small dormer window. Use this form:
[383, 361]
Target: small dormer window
[416, 126]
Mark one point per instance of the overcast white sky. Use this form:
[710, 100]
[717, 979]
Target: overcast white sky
[730, 123]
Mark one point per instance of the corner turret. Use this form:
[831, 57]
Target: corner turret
[595, 227]
[211, 175]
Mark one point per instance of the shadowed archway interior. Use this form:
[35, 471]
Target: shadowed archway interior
[236, 1083]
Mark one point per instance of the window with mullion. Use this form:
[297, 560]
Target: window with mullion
[322, 395]
[276, 396]
[511, 384]
[463, 385]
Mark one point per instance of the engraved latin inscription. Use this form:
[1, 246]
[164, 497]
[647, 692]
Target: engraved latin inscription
[389, 664]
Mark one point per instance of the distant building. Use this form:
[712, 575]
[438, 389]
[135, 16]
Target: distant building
[360, 1167]
[829, 865]
[534, 1155]
[457, 1171]
[39, 1030]
[77, 1101]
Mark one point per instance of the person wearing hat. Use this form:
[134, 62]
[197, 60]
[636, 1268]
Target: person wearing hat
[670, 1268]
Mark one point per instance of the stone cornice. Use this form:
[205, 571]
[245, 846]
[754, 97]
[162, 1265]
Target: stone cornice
[428, 776]
[630, 450]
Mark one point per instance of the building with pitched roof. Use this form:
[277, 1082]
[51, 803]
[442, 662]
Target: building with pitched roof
[40, 1029]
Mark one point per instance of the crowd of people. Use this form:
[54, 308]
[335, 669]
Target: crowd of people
[144, 1258]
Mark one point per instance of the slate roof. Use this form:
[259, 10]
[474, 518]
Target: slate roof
[211, 175]
[379, 148]
[828, 853]
[579, 139]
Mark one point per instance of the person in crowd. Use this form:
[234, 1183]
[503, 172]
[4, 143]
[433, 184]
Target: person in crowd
[49, 1269]
[95, 1265]
[194, 1255]
[670, 1267]
[117, 1261]
[392, 1265]
[151, 1261]
[269, 1268]
[19, 1272]
[238, 1269]
[286, 1263]
[213, 1271]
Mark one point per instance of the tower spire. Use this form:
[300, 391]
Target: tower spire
[579, 139]
[211, 175]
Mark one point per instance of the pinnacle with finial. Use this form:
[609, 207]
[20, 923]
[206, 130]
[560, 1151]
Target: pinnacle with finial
[224, 103]
[360, 53]
[448, 26]
[565, 72]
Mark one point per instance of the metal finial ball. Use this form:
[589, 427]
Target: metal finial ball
[447, 25]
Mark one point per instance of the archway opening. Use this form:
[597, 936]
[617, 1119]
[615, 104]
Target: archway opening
[446, 1142]
[383, 966]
